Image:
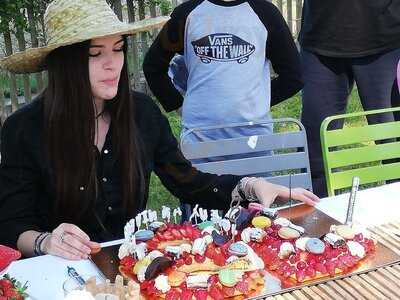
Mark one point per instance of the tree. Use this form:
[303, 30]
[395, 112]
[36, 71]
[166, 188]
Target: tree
[32, 13]
[8, 10]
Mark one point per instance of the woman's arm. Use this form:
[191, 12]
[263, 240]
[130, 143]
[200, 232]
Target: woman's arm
[18, 183]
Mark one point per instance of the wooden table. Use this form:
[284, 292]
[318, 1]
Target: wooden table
[383, 283]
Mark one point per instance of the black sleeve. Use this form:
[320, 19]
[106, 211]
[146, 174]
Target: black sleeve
[169, 41]
[182, 179]
[18, 184]
[281, 51]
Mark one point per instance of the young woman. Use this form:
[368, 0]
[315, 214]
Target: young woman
[76, 162]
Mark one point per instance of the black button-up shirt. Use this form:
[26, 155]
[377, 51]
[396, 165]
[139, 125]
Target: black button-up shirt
[27, 192]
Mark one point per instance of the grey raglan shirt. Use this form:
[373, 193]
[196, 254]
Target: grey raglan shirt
[228, 47]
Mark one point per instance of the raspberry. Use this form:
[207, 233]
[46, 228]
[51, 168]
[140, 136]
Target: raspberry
[188, 260]
[216, 293]
[301, 265]
[310, 272]
[199, 258]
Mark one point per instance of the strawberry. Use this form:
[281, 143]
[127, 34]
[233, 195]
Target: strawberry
[186, 294]
[10, 293]
[15, 291]
[183, 232]
[172, 294]
[188, 260]
[7, 256]
[201, 294]
[6, 284]
[243, 286]
[228, 291]
[216, 293]
[199, 258]
[168, 236]
[176, 233]
[219, 260]
[128, 262]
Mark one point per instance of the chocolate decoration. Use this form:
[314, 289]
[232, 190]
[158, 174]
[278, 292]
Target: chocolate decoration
[157, 266]
[219, 239]
[244, 218]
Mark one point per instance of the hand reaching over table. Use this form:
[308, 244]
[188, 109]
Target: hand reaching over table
[266, 192]
[70, 242]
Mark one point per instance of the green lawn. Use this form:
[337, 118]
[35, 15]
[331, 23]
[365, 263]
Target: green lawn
[290, 108]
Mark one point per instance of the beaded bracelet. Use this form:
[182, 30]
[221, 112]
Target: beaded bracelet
[37, 249]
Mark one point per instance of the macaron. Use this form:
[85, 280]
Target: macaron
[238, 249]
[205, 224]
[155, 225]
[229, 277]
[143, 263]
[144, 235]
[261, 222]
[288, 233]
[315, 246]
[176, 278]
[345, 231]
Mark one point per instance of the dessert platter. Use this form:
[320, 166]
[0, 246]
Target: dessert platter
[232, 256]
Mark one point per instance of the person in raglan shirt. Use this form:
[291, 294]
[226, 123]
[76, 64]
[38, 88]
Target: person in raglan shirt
[227, 48]
[343, 42]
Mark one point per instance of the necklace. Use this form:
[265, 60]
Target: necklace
[99, 114]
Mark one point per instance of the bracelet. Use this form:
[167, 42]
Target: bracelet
[38, 243]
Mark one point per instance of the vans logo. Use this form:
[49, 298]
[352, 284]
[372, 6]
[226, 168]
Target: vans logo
[223, 47]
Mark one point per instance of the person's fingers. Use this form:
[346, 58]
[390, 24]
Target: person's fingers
[71, 228]
[303, 198]
[311, 195]
[67, 252]
[93, 245]
[76, 243]
[76, 231]
[54, 246]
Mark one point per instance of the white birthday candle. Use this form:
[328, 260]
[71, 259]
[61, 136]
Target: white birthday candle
[215, 217]
[177, 212]
[166, 213]
[225, 225]
[194, 214]
[138, 219]
[233, 231]
[203, 214]
[145, 218]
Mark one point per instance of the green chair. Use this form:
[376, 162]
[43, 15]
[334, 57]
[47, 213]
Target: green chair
[359, 151]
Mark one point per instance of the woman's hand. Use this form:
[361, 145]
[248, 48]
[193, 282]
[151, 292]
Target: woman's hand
[70, 242]
[267, 193]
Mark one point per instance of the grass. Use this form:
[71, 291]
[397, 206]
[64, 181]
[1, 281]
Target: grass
[159, 195]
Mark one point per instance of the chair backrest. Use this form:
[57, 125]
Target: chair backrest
[273, 155]
[359, 151]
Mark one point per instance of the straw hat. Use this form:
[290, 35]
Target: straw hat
[72, 21]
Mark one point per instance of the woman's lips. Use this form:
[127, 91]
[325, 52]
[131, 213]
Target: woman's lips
[110, 82]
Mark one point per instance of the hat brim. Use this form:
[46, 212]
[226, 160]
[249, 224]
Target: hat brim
[32, 60]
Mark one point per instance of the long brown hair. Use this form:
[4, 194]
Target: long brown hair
[70, 126]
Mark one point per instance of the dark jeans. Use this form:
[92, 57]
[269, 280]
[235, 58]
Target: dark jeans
[328, 82]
